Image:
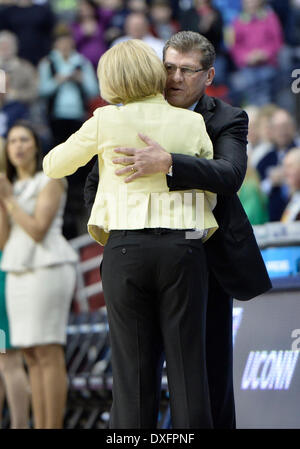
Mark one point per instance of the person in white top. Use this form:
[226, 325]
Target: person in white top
[137, 27]
[41, 274]
[14, 382]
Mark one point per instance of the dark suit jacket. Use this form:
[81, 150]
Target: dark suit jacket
[232, 252]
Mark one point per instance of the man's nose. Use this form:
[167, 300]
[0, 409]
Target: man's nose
[177, 75]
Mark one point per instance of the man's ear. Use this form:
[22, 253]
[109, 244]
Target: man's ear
[210, 76]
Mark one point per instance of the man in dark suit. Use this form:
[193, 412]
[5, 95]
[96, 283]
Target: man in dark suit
[236, 268]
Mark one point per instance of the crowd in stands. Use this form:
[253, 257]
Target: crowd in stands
[58, 44]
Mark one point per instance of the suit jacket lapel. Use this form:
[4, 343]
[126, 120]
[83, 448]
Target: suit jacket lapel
[205, 107]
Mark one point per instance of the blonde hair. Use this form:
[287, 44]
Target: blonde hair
[2, 156]
[130, 71]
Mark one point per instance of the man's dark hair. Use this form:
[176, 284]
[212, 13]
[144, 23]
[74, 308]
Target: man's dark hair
[186, 41]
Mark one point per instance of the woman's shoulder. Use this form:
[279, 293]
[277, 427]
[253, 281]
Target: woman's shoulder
[105, 110]
[40, 177]
[31, 187]
[40, 180]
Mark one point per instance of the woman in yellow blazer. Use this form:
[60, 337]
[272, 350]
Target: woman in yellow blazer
[154, 265]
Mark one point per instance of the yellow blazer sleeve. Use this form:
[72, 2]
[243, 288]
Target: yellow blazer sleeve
[75, 152]
[206, 146]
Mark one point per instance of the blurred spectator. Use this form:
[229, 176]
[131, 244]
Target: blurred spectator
[67, 81]
[184, 5]
[21, 100]
[13, 378]
[33, 26]
[291, 170]
[259, 134]
[289, 57]
[163, 25]
[88, 30]
[283, 10]
[256, 38]
[254, 201]
[137, 6]
[121, 9]
[253, 131]
[293, 49]
[175, 8]
[289, 16]
[207, 20]
[229, 9]
[137, 27]
[11, 110]
[283, 132]
[40, 272]
[293, 26]
[65, 11]
[21, 83]
[22, 74]
[116, 24]
[251, 196]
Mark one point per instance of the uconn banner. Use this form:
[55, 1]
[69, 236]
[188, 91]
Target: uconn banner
[266, 335]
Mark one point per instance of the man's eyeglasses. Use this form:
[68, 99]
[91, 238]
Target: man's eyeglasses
[185, 71]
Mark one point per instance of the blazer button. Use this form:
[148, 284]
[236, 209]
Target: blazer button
[123, 251]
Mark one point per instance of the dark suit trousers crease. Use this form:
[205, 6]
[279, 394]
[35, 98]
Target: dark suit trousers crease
[155, 288]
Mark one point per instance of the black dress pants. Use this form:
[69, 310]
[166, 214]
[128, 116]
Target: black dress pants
[219, 354]
[155, 288]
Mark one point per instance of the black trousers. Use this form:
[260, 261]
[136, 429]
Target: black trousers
[219, 354]
[155, 288]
